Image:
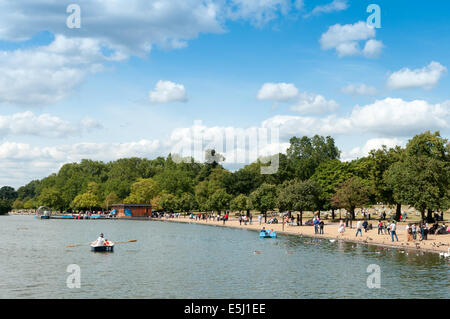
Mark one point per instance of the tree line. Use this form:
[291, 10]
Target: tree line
[310, 178]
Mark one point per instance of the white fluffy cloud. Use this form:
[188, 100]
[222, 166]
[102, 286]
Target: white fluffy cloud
[167, 91]
[47, 74]
[309, 103]
[426, 77]
[345, 40]
[389, 117]
[334, 6]
[371, 144]
[305, 103]
[372, 48]
[278, 92]
[131, 27]
[23, 162]
[45, 125]
[361, 89]
[135, 26]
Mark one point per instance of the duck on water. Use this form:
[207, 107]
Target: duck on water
[102, 244]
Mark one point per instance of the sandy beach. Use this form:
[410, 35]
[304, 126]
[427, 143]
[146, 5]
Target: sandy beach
[434, 243]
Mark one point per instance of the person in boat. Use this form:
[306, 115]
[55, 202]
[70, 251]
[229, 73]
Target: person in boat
[100, 241]
[107, 242]
[263, 230]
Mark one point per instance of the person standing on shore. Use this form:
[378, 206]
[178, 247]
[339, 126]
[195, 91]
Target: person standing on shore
[380, 227]
[341, 228]
[358, 228]
[394, 231]
[321, 224]
[316, 225]
[409, 231]
[259, 219]
[414, 231]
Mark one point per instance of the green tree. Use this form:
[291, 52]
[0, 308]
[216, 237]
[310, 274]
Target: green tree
[168, 202]
[351, 194]
[296, 195]
[112, 198]
[329, 175]
[30, 204]
[8, 193]
[219, 200]
[186, 202]
[264, 198]
[305, 154]
[240, 203]
[5, 206]
[382, 159]
[17, 204]
[421, 178]
[86, 200]
[51, 197]
[143, 191]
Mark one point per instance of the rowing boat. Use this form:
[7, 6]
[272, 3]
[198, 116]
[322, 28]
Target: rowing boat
[104, 248]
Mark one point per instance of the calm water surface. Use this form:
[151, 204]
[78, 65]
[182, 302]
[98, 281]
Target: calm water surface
[174, 260]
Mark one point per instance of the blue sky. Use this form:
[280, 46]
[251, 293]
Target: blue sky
[301, 67]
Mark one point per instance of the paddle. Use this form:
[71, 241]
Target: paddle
[117, 242]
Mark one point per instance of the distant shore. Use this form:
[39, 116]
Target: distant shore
[434, 243]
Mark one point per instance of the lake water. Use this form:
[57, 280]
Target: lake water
[175, 260]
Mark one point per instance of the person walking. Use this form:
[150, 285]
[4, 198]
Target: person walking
[358, 228]
[365, 224]
[394, 231]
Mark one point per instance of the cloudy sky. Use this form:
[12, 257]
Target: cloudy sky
[148, 77]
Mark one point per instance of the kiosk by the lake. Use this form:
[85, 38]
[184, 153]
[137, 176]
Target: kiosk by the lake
[132, 210]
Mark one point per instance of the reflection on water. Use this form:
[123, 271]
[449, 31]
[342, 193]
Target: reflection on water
[171, 260]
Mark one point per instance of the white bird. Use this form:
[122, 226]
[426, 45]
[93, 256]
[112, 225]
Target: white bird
[445, 255]
[332, 240]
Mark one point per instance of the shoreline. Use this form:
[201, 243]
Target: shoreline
[434, 244]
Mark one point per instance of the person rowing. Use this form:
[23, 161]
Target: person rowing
[100, 241]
